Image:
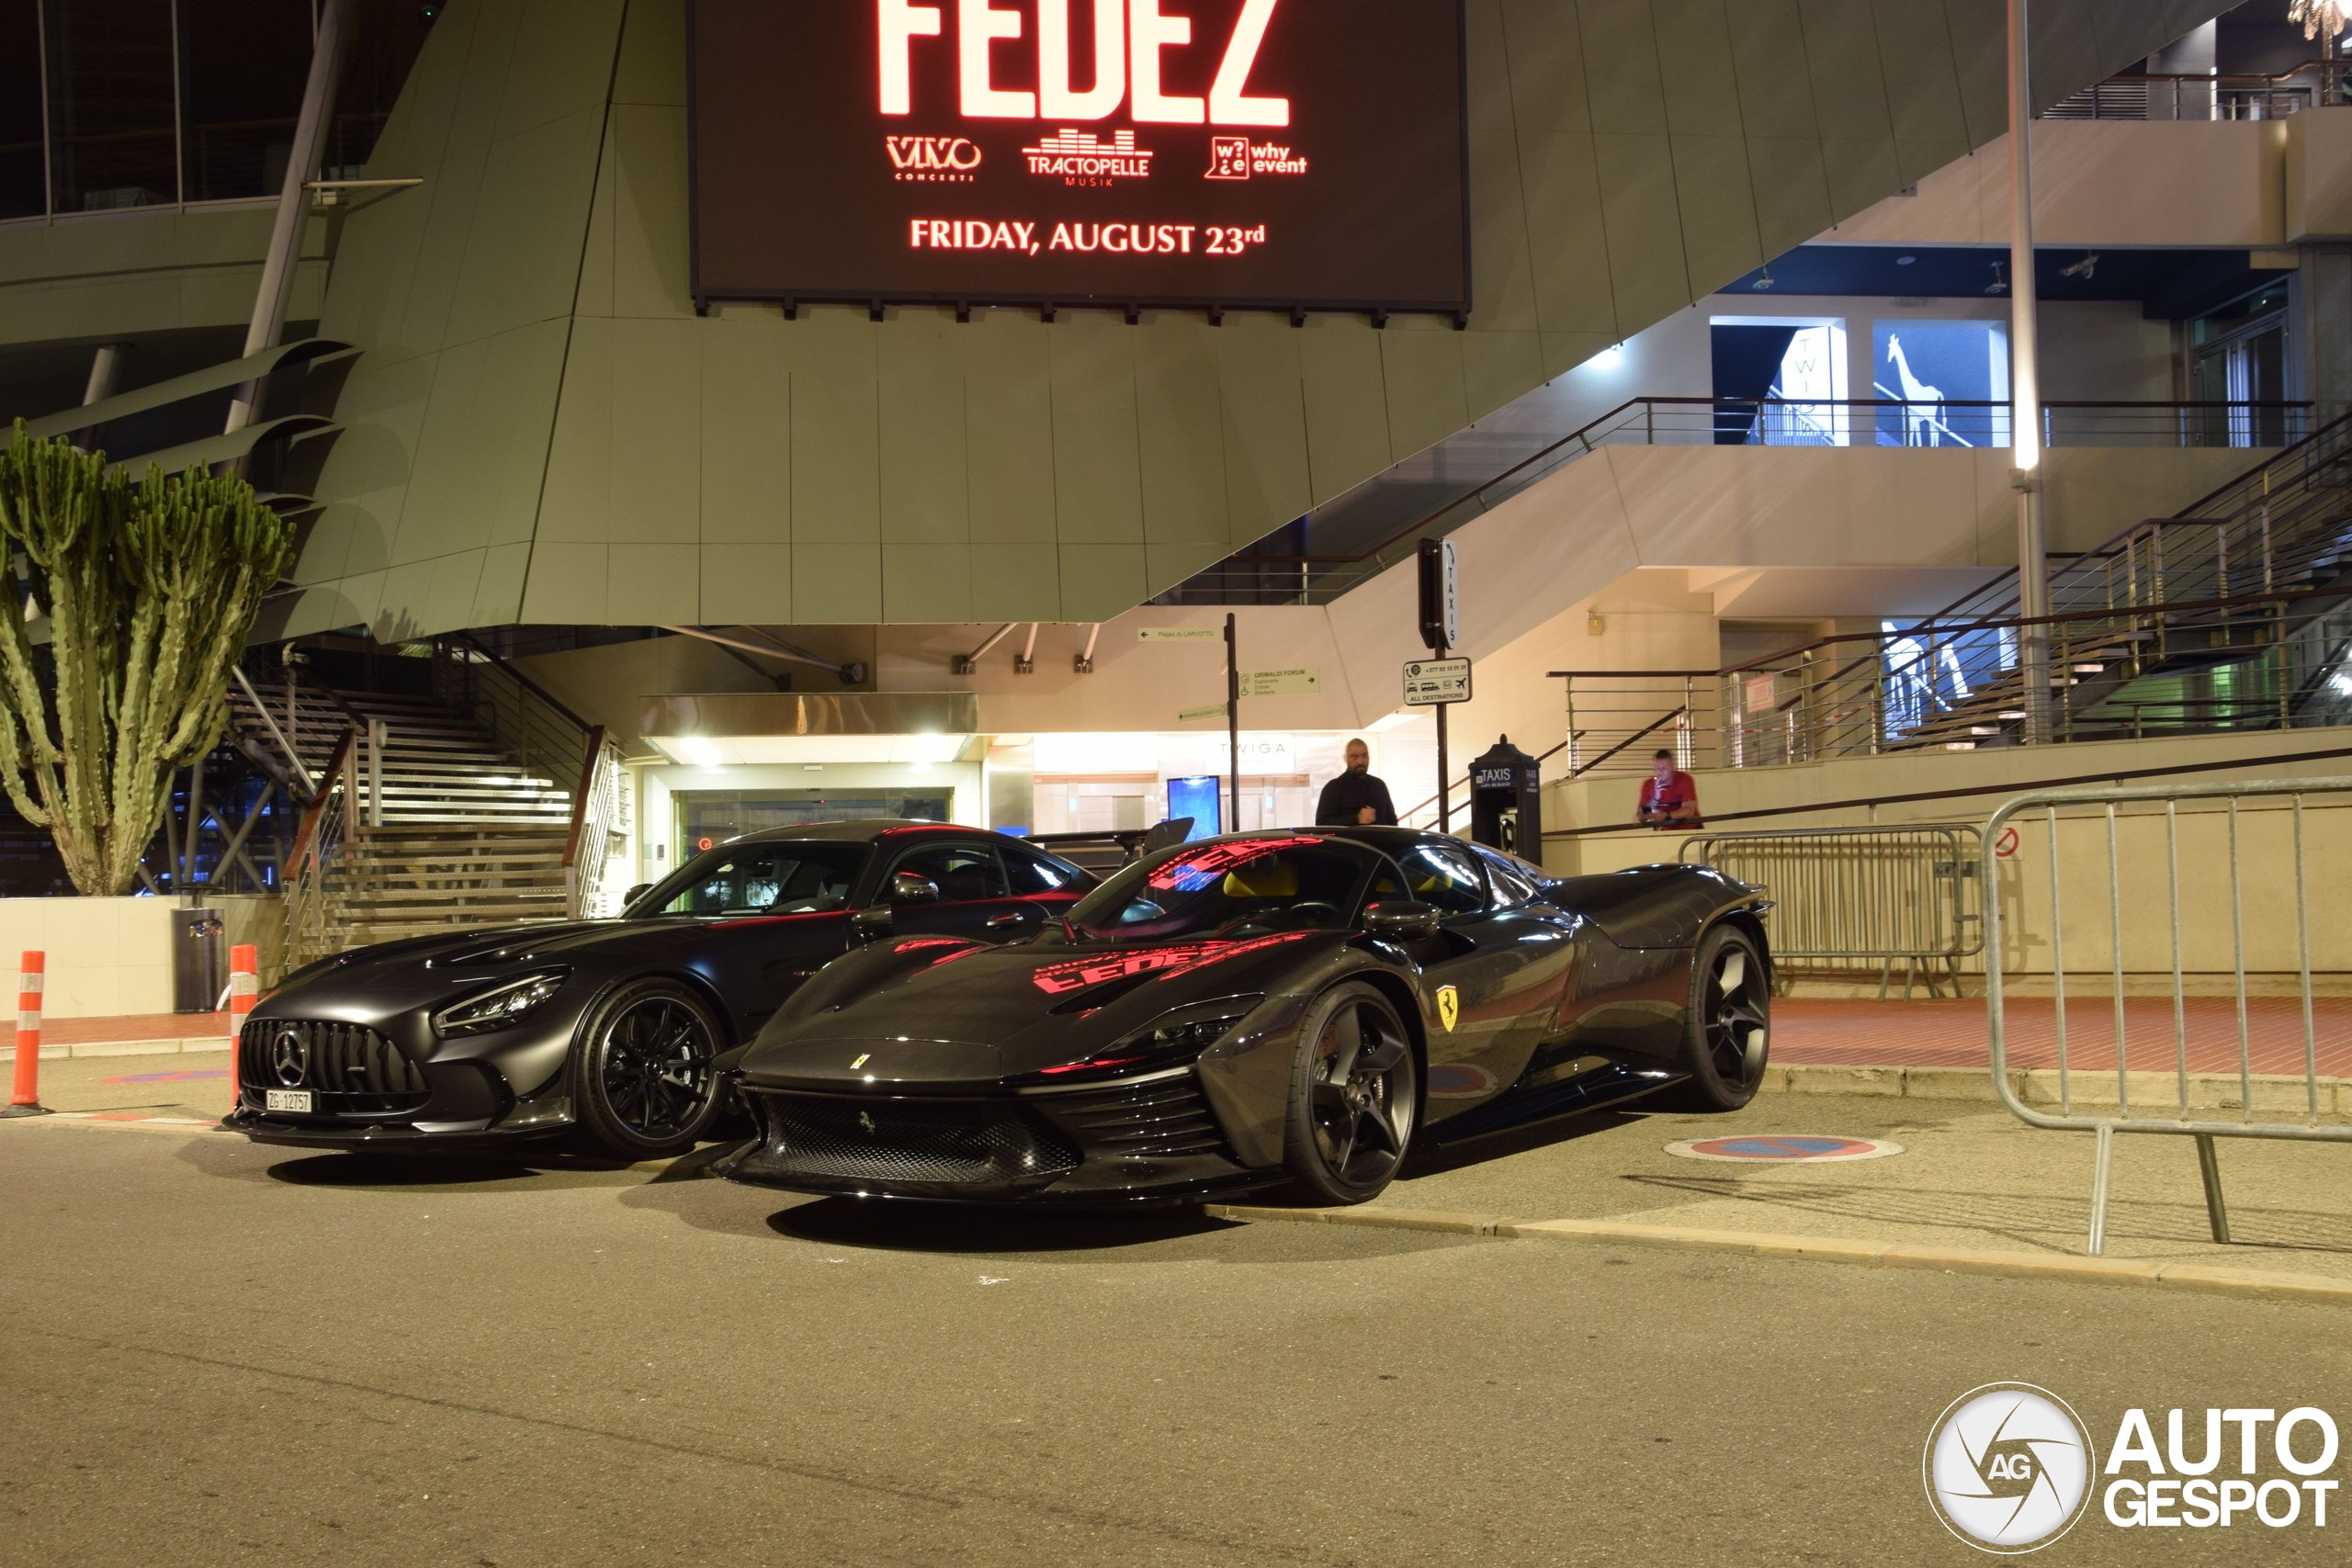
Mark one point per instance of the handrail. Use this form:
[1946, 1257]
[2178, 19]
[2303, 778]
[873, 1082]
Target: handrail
[580, 798]
[292, 757]
[2008, 786]
[524, 681]
[1584, 432]
[336, 767]
[1630, 740]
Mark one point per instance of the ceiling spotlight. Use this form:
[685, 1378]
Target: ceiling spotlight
[2000, 285]
[2085, 269]
[1765, 282]
[2318, 16]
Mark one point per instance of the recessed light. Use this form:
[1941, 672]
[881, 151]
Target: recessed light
[1905, 261]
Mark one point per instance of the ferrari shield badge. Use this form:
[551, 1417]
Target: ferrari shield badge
[1449, 1007]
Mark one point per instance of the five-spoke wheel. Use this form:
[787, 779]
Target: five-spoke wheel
[1727, 1036]
[1354, 1096]
[643, 1080]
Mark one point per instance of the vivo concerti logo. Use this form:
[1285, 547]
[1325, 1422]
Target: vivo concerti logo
[2010, 1468]
[1133, 41]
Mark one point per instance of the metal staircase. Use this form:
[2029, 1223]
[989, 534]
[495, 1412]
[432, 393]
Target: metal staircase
[2230, 614]
[485, 803]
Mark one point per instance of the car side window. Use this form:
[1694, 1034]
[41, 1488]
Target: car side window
[963, 873]
[1513, 885]
[1034, 873]
[1445, 877]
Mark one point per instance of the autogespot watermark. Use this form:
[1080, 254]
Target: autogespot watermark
[2010, 1467]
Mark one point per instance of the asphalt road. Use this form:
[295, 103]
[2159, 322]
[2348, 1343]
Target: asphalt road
[211, 1352]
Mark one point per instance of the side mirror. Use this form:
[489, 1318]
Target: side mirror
[640, 891]
[1399, 919]
[871, 925]
[906, 887]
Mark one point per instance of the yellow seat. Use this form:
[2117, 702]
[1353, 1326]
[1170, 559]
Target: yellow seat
[1267, 879]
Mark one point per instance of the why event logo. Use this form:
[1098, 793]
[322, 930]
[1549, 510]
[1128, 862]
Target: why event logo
[933, 159]
[1237, 157]
[2009, 1468]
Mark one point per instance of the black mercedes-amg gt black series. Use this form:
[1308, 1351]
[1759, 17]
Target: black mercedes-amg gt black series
[1292, 1006]
[608, 1030]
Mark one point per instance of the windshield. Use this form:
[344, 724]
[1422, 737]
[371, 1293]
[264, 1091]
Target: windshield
[758, 879]
[1231, 887]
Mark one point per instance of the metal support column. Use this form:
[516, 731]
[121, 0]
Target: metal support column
[2025, 382]
[294, 201]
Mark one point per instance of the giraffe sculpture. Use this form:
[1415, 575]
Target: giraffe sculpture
[1923, 406]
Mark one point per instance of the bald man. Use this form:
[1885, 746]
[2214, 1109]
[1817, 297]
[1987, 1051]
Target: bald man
[1355, 797]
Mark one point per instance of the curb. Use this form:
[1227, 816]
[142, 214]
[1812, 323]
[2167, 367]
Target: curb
[142, 1048]
[2281, 1092]
[2209, 1278]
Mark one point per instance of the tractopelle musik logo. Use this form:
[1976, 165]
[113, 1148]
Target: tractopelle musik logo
[2008, 1468]
[1082, 158]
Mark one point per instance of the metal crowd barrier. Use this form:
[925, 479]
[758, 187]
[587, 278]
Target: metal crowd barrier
[2269, 798]
[1904, 893]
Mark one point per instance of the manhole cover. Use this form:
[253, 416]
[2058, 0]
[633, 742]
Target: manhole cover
[1783, 1147]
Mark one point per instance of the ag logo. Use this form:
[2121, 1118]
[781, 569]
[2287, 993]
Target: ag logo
[2008, 1467]
[1449, 1007]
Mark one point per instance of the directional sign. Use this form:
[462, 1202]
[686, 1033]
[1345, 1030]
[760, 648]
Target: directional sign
[1299, 682]
[1428, 681]
[1186, 716]
[1182, 634]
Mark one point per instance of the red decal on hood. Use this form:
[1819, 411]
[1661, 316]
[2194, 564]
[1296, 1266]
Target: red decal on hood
[1057, 979]
[913, 943]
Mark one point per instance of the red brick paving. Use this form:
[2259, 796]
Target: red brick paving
[130, 1027]
[1952, 1033]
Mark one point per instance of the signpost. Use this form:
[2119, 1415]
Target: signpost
[1441, 629]
[1432, 683]
[1302, 682]
[1233, 718]
[1179, 634]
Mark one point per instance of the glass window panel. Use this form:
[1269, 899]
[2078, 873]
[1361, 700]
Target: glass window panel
[242, 67]
[110, 99]
[386, 38]
[23, 189]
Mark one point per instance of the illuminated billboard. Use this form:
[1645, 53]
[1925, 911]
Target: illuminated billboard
[1276, 154]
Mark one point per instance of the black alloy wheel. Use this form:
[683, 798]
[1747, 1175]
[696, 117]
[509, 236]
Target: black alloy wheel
[1727, 1032]
[642, 1081]
[1355, 1096]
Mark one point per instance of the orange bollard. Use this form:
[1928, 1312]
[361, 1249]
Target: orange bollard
[244, 989]
[24, 1098]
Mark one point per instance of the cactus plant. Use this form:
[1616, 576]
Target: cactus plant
[148, 591]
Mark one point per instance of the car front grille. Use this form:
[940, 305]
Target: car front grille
[351, 1069]
[887, 1140]
[1162, 1118]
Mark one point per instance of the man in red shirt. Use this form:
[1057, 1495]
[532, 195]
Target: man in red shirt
[1669, 796]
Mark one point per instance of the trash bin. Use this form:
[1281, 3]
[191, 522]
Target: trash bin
[199, 972]
[1507, 801]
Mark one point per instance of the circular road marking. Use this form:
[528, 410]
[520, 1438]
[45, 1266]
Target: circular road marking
[1776, 1148]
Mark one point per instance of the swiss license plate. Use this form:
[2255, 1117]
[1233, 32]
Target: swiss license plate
[289, 1099]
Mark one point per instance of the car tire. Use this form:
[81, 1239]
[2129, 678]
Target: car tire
[641, 1081]
[1354, 1097]
[1726, 1030]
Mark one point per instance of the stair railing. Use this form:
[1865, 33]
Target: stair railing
[523, 718]
[318, 844]
[595, 813]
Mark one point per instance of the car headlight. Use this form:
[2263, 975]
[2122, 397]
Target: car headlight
[498, 1007]
[1174, 1037]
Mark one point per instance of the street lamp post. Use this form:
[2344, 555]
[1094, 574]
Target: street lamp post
[2025, 395]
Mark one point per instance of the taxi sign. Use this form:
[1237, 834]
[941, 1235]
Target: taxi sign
[1428, 681]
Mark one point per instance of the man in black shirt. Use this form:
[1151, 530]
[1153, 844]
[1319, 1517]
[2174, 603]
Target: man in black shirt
[1356, 797]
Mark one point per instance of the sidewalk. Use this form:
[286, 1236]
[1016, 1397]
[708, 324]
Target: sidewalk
[1952, 1033]
[1971, 1178]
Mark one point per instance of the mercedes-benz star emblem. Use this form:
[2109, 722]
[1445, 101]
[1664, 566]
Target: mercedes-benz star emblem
[289, 1058]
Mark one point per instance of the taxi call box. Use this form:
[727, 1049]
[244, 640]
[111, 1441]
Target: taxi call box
[1428, 681]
